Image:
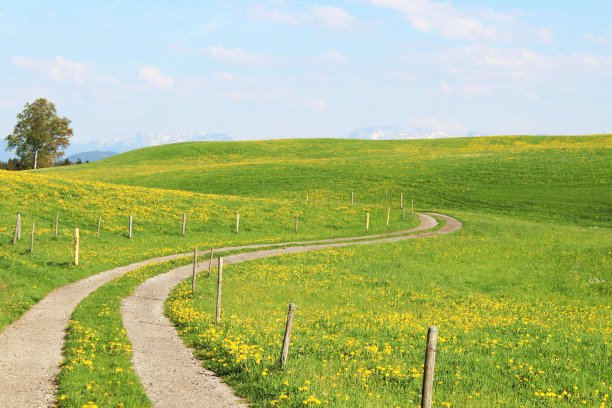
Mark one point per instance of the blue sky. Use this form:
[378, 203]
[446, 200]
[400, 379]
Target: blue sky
[272, 69]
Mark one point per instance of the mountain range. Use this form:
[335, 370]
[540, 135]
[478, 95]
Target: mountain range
[394, 133]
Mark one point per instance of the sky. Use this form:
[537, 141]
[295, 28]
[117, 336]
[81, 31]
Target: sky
[284, 69]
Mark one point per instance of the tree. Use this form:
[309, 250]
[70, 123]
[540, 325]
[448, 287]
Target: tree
[39, 135]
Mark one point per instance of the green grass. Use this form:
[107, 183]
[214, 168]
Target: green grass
[26, 278]
[522, 308]
[97, 365]
[565, 179]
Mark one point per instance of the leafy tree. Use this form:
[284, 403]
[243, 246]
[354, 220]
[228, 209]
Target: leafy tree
[39, 135]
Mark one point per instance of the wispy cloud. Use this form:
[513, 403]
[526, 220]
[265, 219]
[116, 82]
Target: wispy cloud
[153, 75]
[236, 55]
[274, 15]
[332, 17]
[58, 69]
[448, 20]
[316, 104]
[599, 39]
[332, 57]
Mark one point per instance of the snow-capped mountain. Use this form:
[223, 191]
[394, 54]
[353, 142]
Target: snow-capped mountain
[122, 144]
[393, 133]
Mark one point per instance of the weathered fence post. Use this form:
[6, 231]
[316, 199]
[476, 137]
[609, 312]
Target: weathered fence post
[402, 200]
[193, 273]
[388, 215]
[297, 221]
[99, 224]
[285, 349]
[237, 223]
[430, 362]
[183, 225]
[32, 239]
[219, 284]
[367, 221]
[130, 227]
[56, 223]
[76, 246]
[16, 234]
[19, 226]
[210, 262]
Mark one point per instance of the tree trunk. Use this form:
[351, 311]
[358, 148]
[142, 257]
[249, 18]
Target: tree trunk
[35, 159]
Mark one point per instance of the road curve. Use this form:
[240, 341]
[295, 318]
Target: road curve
[170, 373]
[31, 347]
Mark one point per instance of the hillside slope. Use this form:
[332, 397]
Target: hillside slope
[558, 178]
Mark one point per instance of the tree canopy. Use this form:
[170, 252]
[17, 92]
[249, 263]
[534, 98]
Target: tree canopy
[40, 135]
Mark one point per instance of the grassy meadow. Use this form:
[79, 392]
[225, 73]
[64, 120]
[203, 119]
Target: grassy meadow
[523, 311]
[27, 277]
[521, 294]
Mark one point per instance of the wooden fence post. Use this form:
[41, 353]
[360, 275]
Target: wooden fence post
[219, 284]
[237, 223]
[56, 223]
[76, 246]
[285, 349]
[99, 224]
[388, 215]
[367, 221]
[32, 239]
[193, 273]
[183, 225]
[402, 200]
[15, 235]
[19, 226]
[430, 362]
[130, 228]
[210, 262]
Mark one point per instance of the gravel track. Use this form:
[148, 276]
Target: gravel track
[170, 373]
[31, 347]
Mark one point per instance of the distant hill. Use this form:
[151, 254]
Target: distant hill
[90, 156]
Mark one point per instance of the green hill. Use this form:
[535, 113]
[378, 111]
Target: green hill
[553, 178]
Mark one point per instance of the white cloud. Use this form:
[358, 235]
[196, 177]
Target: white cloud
[58, 69]
[316, 104]
[153, 75]
[235, 55]
[332, 17]
[275, 15]
[331, 57]
[467, 23]
[447, 20]
[599, 39]
[545, 35]
[223, 76]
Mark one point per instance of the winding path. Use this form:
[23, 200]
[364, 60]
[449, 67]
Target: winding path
[170, 373]
[31, 347]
